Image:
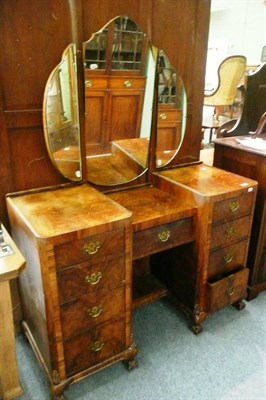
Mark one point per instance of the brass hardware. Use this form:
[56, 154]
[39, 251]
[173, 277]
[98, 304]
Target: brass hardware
[228, 258]
[231, 291]
[164, 236]
[91, 247]
[163, 116]
[127, 83]
[88, 83]
[234, 206]
[95, 311]
[94, 278]
[97, 346]
[230, 231]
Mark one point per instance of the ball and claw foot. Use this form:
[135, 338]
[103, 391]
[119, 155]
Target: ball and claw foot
[196, 329]
[131, 364]
[239, 305]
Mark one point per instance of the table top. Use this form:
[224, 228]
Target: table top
[246, 143]
[12, 263]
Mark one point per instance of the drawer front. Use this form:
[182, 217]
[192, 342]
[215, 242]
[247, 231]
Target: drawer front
[89, 248]
[91, 310]
[227, 290]
[168, 115]
[162, 237]
[227, 259]
[94, 346]
[85, 278]
[233, 208]
[231, 231]
[95, 83]
[127, 82]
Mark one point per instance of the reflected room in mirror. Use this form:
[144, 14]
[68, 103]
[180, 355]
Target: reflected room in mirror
[61, 117]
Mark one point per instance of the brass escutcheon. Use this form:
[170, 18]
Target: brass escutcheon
[234, 206]
[95, 311]
[230, 231]
[164, 236]
[127, 83]
[231, 291]
[91, 247]
[163, 116]
[228, 258]
[94, 278]
[97, 346]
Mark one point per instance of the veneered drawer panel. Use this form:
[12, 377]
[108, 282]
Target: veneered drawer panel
[89, 248]
[91, 310]
[127, 83]
[84, 278]
[231, 231]
[168, 115]
[227, 259]
[227, 290]
[94, 346]
[233, 208]
[150, 241]
[95, 83]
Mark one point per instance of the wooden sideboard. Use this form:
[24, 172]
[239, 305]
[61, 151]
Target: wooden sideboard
[233, 156]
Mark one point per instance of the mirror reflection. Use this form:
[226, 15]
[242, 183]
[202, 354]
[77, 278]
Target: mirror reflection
[61, 116]
[119, 80]
[172, 111]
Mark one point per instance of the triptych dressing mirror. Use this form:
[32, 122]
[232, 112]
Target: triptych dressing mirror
[123, 74]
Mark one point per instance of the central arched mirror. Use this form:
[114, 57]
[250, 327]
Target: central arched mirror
[120, 67]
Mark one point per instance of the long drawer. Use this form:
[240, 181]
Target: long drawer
[94, 346]
[232, 231]
[227, 290]
[227, 259]
[89, 248]
[84, 278]
[162, 237]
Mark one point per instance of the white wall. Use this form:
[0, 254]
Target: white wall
[236, 27]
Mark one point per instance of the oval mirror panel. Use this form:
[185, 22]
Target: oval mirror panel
[61, 117]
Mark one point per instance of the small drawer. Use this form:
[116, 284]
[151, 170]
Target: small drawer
[127, 82]
[95, 83]
[227, 290]
[94, 346]
[81, 279]
[229, 209]
[150, 241]
[231, 231]
[227, 259]
[89, 248]
[91, 310]
[168, 115]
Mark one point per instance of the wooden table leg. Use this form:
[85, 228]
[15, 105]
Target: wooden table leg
[9, 379]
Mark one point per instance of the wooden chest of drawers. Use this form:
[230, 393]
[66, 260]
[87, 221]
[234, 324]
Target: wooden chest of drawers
[217, 276]
[76, 289]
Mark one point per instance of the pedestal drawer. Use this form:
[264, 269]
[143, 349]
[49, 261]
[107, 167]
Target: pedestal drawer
[162, 237]
[233, 208]
[94, 346]
[227, 290]
[84, 278]
[232, 231]
[227, 259]
[88, 248]
[92, 309]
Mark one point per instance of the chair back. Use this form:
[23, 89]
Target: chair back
[230, 72]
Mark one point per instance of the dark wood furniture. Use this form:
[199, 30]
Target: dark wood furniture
[233, 156]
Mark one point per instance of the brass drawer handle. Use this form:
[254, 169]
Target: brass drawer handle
[164, 236]
[231, 291]
[229, 258]
[234, 206]
[94, 278]
[163, 116]
[94, 312]
[230, 231]
[128, 84]
[97, 346]
[88, 83]
[91, 247]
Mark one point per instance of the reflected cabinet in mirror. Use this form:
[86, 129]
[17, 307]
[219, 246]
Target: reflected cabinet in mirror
[123, 72]
[61, 116]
